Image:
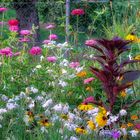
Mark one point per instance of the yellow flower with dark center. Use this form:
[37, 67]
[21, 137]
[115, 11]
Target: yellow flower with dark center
[64, 116]
[30, 115]
[80, 130]
[133, 38]
[81, 74]
[137, 57]
[89, 88]
[84, 107]
[44, 122]
[102, 110]
[123, 93]
[91, 125]
[130, 124]
[134, 117]
[101, 119]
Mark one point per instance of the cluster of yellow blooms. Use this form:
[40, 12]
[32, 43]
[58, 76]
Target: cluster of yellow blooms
[133, 38]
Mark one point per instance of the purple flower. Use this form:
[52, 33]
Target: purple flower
[3, 9]
[116, 134]
[25, 32]
[51, 58]
[35, 50]
[50, 26]
[53, 37]
[46, 42]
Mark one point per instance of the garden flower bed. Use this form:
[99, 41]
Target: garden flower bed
[63, 91]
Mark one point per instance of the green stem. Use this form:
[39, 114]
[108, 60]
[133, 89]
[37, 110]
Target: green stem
[2, 24]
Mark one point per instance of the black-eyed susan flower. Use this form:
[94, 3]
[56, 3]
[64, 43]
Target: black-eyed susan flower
[81, 130]
[132, 38]
[91, 125]
[30, 115]
[101, 120]
[64, 116]
[85, 107]
[44, 122]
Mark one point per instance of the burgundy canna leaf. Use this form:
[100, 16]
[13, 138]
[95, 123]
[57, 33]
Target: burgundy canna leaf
[124, 63]
[130, 76]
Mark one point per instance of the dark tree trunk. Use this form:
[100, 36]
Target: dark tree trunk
[27, 15]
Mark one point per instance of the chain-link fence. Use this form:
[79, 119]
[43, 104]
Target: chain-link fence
[98, 13]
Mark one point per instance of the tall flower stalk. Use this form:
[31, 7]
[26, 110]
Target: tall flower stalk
[77, 13]
[114, 76]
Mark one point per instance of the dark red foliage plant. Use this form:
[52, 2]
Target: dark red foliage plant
[113, 75]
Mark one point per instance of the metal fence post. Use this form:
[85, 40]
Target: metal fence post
[67, 19]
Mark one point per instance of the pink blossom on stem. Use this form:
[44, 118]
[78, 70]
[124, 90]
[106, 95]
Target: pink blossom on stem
[53, 37]
[88, 100]
[78, 12]
[88, 80]
[35, 50]
[46, 41]
[3, 9]
[51, 58]
[25, 32]
[91, 42]
[74, 64]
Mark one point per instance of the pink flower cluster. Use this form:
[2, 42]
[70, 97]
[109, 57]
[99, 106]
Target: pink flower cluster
[88, 80]
[53, 37]
[8, 52]
[3, 9]
[52, 59]
[88, 100]
[91, 42]
[78, 12]
[25, 32]
[46, 41]
[13, 25]
[50, 26]
[35, 50]
[74, 64]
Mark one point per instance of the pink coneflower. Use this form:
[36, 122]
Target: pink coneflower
[91, 42]
[17, 54]
[52, 59]
[137, 126]
[25, 32]
[78, 12]
[74, 64]
[46, 41]
[6, 51]
[88, 100]
[35, 50]
[13, 28]
[88, 80]
[24, 40]
[50, 26]
[3, 9]
[53, 37]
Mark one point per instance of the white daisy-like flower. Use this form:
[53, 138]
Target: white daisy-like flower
[123, 112]
[11, 106]
[38, 66]
[73, 138]
[47, 103]
[4, 98]
[62, 83]
[34, 90]
[134, 133]
[2, 111]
